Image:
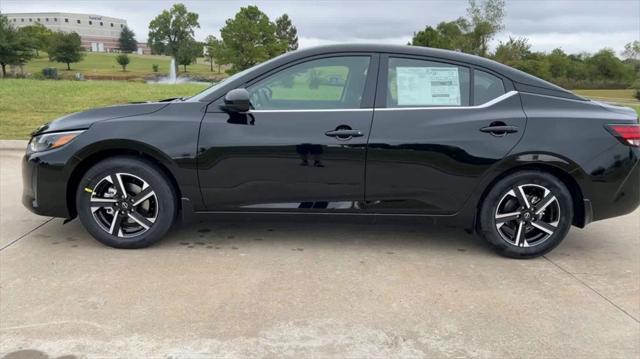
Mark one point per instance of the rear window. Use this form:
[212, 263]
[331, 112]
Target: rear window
[421, 83]
[486, 87]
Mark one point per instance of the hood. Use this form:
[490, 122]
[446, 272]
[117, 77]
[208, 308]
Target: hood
[82, 120]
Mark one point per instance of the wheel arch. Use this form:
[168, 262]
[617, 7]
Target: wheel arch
[562, 173]
[100, 151]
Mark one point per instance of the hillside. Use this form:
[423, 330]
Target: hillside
[104, 66]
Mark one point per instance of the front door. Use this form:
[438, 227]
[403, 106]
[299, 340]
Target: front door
[438, 127]
[301, 148]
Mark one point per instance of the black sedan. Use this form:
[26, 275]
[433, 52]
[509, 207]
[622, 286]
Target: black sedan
[349, 130]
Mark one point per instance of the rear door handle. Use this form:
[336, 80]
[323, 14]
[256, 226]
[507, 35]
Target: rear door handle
[499, 130]
[344, 133]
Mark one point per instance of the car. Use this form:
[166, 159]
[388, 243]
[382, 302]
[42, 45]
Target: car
[404, 132]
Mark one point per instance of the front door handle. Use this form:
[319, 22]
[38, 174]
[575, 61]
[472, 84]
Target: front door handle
[500, 130]
[344, 134]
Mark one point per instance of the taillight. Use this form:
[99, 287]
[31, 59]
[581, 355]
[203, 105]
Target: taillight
[627, 134]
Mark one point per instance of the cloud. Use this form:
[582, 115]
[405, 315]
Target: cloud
[575, 26]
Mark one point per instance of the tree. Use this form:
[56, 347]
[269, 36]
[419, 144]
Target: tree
[214, 51]
[172, 28]
[286, 32]
[38, 35]
[513, 51]
[632, 50]
[450, 35]
[631, 55]
[66, 48]
[188, 52]
[559, 64]
[249, 38]
[127, 40]
[15, 47]
[123, 60]
[486, 21]
[605, 66]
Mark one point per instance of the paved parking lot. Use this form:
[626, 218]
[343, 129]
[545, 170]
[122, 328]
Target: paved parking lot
[278, 289]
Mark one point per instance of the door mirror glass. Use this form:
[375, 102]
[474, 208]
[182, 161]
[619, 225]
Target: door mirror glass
[237, 100]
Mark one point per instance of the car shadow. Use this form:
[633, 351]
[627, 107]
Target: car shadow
[309, 233]
[299, 235]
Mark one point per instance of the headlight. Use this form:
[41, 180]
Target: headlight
[49, 141]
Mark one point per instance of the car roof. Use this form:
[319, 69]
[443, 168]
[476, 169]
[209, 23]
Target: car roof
[522, 80]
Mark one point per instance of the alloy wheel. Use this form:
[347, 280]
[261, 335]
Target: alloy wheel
[124, 205]
[527, 215]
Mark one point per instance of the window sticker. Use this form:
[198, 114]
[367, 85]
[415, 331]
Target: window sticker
[428, 86]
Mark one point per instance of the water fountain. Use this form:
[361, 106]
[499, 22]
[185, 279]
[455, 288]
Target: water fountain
[172, 72]
[172, 77]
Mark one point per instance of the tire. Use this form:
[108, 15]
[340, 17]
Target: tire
[517, 231]
[137, 221]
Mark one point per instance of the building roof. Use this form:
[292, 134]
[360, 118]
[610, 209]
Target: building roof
[60, 14]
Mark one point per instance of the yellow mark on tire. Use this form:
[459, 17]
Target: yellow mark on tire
[88, 190]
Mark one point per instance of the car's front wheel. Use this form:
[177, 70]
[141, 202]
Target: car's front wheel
[126, 202]
[526, 214]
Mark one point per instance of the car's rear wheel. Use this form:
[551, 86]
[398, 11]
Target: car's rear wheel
[526, 214]
[125, 202]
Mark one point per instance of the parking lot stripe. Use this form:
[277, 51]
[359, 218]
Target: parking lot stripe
[24, 235]
[592, 289]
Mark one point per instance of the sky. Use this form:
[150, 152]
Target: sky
[572, 25]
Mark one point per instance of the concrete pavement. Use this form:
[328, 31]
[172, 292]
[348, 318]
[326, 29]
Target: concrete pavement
[278, 289]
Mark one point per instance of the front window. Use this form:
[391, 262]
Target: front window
[421, 83]
[327, 83]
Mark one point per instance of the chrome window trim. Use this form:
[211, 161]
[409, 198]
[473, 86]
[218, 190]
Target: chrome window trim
[317, 110]
[484, 105]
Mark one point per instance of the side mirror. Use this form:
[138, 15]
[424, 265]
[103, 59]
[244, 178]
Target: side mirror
[237, 100]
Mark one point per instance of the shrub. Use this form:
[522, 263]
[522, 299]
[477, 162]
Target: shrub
[155, 67]
[123, 60]
[50, 72]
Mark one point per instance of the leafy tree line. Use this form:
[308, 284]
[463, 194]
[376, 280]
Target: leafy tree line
[472, 34]
[19, 45]
[600, 70]
[246, 40]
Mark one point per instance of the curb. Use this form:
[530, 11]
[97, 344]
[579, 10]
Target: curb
[13, 145]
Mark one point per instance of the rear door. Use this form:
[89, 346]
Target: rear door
[302, 147]
[438, 127]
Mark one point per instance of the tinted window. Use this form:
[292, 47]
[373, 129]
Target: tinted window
[420, 83]
[486, 87]
[329, 83]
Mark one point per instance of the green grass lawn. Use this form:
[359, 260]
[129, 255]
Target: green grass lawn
[26, 104]
[619, 97]
[105, 65]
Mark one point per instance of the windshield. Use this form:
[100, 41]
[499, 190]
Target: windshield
[209, 90]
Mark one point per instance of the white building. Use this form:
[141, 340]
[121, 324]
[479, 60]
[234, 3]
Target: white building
[97, 33]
